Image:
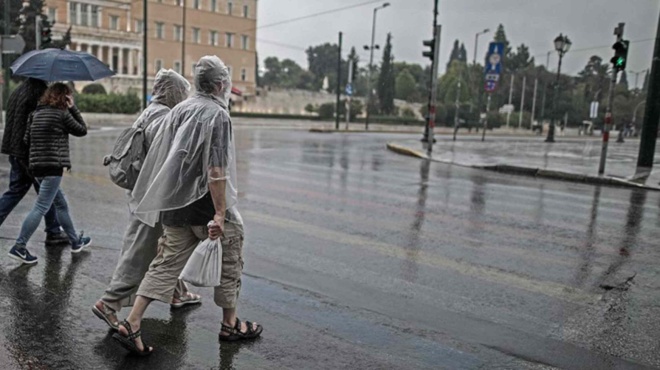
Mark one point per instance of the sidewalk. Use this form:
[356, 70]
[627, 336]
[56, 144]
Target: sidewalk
[569, 159]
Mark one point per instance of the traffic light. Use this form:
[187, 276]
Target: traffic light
[620, 58]
[431, 52]
[46, 33]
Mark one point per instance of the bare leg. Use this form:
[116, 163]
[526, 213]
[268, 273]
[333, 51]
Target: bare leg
[229, 319]
[135, 319]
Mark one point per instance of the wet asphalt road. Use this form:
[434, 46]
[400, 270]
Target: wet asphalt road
[359, 258]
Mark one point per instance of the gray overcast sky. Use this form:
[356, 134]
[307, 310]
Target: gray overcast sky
[589, 23]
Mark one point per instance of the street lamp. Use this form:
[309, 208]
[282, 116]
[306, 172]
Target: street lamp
[562, 46]
[371, 59]
[476, 43]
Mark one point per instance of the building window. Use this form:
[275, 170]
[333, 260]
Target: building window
[158, 65]
[177, 66]
[73, 13]
[230, 40]
[246, 11]
[160, 30]
[230, 8]
[139, 26]
[245, 42]
[196, 35]
[214, 5]
[178, 33]
[84, 14]
[95, 16]
[178, 2]
[197, 4]
[243, 74]
[213, 38]
[52, 14]
[114, 22]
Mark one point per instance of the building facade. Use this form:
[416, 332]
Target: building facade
[112, 30]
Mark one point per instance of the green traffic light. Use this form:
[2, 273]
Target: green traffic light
[620, 61]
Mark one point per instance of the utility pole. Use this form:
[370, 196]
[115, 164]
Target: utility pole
[508, 114]
[183, 39]
[483, 134]
[545, 92]
[522, 102]
[341, 36]
[144, 53]
[5, 57]
[37, 32]
[536, 85]
[458, 105]
[651, 115]
[349, 94]
[618, 32]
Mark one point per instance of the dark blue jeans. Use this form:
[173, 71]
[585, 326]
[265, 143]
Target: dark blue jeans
[20, 182]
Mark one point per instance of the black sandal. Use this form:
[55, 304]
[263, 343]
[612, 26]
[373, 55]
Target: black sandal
[235, 333]
[128, 343]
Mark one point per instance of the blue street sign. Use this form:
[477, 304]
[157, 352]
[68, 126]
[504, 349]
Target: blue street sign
[493, 65]
[349, 89]
[494, 58]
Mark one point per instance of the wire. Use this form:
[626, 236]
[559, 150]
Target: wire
[599, 47]
[313, 15]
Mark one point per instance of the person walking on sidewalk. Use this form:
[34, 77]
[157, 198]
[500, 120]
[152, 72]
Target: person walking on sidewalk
[141, 241]
[21, 103]
[47, 136]
[194, 183]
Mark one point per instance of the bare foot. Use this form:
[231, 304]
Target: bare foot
[108, 314]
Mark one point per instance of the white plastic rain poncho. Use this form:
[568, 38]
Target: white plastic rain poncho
[170, 89]
[194, 137]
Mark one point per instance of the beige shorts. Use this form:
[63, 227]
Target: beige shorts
[180, 242]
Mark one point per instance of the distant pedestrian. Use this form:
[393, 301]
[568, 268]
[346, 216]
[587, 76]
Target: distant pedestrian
[192, 180]
[47, 136]
[141, 241]
[22, 102]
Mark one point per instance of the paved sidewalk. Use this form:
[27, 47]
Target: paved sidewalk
[574, 159]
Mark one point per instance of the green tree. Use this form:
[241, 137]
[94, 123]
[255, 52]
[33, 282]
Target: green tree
[386, 82]
[273, 75]
[322, 61]
[406, 87]
[500, 36]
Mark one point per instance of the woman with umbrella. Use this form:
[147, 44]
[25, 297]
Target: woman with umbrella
[50, 125]
[48, 133]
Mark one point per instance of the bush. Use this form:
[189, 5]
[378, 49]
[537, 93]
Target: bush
[309, 108]
[327, 111]
[274, 116]
[111, 103]
[94, 89]
[407, 113]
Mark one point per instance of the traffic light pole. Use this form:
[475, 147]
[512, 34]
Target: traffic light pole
[434, 92]
[651, 116]
[144, 53]
[608, 115]
[349, 99]
[433, 84]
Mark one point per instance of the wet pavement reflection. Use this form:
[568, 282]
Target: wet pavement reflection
[356, 257]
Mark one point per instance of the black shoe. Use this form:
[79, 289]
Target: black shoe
[56, 238]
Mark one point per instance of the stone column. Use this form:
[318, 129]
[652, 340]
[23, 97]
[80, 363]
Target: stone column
[131, 55]
[120, 61]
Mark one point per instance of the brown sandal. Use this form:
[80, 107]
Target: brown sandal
[128, 342]
[235, 333]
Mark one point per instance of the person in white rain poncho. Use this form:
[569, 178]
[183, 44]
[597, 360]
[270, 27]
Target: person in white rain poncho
[140, 243]
[192, 181]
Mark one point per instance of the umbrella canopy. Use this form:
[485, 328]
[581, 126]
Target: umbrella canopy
[60, 65]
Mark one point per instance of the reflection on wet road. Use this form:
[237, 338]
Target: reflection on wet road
[359, 258]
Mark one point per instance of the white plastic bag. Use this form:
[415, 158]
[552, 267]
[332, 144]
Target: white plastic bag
[204, 267]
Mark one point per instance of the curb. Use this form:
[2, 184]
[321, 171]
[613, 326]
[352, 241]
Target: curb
[332, 131]
[532, 171]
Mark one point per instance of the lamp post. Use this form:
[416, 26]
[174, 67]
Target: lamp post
[476, 43]
[562, 46]
[371, 59]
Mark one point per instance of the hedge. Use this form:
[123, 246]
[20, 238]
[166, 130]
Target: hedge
[111, 103]
[274, 116]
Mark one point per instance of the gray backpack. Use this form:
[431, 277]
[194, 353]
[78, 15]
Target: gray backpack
[127, 157]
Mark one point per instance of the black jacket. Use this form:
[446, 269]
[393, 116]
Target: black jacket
[21, 103]
[48, 138]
